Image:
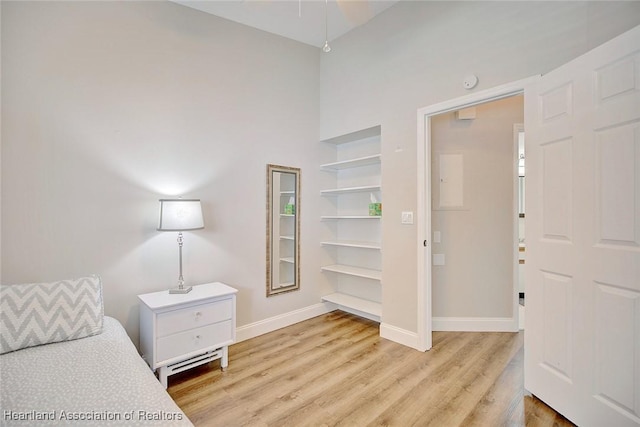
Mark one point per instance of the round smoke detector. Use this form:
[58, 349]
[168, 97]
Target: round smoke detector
[470, 81]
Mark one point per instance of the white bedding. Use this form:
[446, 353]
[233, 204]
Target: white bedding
[98, 380]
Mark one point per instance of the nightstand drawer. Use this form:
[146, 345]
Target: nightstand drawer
[194, 340]
[182, 331]
[195, 316]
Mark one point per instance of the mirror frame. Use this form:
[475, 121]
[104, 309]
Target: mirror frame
[272, 215]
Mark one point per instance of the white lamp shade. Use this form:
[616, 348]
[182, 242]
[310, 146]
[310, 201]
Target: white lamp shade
[180, 215]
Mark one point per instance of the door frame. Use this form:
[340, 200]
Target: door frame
[423, 214]
[517, 128]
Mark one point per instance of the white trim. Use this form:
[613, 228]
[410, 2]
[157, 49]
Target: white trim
[423, 215]
[493, 94]
[475, 324]
[518, 127]
[400, 336]
[271, 324]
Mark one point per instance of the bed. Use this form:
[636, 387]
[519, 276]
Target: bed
[94, 380]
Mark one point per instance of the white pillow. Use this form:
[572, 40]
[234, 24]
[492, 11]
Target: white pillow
[40, 313]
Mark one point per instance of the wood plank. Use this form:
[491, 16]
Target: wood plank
[336, 370]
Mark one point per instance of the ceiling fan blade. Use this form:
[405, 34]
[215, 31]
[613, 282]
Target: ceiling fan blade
[357, 12]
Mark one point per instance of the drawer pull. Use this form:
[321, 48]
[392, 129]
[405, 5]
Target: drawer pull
[198, 314]
[197, 337]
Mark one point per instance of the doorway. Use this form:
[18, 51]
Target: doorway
[582, 337]
[474, 217]
[424, 211]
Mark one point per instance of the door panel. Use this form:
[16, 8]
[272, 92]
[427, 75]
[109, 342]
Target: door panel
[617, 187]
[618, 310]
[557, 189]
[582, 346]
[557, 291]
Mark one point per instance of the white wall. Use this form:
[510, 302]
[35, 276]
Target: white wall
[0, 152]
[416, 54]
[478, 238]
[108, 106]
[100, 100]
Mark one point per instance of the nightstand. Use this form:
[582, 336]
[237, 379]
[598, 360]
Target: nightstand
[182, 331]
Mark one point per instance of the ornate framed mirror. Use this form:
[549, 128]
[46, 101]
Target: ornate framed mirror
[283, 229]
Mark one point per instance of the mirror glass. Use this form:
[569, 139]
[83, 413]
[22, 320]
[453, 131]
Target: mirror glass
[283, 229]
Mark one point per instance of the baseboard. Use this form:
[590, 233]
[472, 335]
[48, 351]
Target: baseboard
[392, 333]
[475, 324]
[400, 336]
[271, 324]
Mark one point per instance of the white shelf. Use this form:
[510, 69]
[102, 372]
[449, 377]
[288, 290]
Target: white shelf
[287, 215]
[288, 259]
[287, 193]
[350, 270]
[357, 172]
[354, 136]
[352, 163]
[352, 244]
[286, 237]
[333, 217]
[336, 191]
[349, 302]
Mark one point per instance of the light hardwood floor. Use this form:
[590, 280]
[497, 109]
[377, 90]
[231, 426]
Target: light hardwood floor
[335, 370]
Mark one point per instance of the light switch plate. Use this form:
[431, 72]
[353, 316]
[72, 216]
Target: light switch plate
[437, 237]
[407, 217]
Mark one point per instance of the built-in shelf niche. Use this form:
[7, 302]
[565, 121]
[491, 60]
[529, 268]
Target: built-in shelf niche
[353, 237]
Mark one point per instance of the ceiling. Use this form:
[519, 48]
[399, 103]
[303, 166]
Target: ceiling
[301, 20]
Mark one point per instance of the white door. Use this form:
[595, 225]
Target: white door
[582, 339]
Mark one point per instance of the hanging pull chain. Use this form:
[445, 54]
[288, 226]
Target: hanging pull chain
[326, 48]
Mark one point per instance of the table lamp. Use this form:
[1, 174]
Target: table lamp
[180, 215]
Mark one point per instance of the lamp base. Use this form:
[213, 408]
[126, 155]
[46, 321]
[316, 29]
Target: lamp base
[181, 290]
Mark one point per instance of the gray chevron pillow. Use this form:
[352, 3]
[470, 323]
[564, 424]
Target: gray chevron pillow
[41, 313]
